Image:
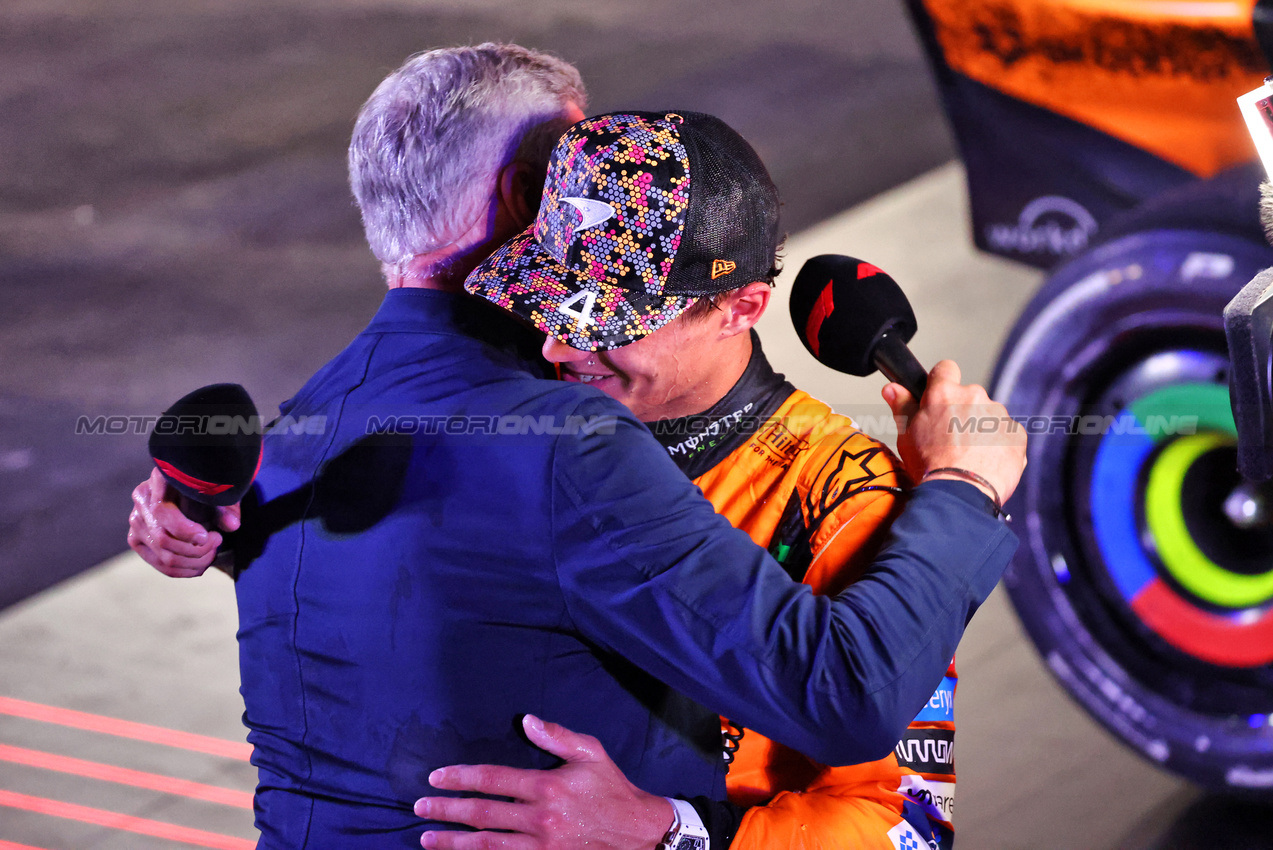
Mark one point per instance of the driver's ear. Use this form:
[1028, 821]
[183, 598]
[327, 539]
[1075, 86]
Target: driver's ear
[746, 306]
[519, 191]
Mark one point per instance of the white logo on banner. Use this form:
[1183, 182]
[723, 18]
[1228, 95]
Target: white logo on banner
[1048, 225]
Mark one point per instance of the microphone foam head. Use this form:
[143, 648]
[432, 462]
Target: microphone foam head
[208, 444]
[842, 306]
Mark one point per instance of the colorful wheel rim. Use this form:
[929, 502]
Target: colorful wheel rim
[1171, 585]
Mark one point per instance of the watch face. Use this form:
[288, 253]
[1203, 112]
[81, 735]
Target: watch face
[690, 842]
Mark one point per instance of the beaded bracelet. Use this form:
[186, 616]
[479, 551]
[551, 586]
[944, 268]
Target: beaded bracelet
[970, 476]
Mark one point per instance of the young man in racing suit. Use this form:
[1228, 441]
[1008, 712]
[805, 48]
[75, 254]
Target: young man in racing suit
[805, 483]
[818, 493]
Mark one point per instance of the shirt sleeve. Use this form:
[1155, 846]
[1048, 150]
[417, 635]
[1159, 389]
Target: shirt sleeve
[649, 571]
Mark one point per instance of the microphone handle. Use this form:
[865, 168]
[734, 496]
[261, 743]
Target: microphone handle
[895, 360]
[205, 515]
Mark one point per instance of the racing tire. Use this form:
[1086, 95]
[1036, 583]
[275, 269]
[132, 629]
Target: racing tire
[1145, 583]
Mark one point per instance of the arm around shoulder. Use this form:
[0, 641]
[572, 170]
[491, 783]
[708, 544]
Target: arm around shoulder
[651, 572]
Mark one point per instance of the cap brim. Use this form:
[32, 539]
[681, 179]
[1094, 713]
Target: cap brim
[581, 311]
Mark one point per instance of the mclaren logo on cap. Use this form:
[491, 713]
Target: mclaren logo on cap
[593, 212]
[720, 268]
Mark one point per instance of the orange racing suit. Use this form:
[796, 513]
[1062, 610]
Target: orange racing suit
[819, 494]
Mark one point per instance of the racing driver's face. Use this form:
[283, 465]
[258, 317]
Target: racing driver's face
[663, 375]
[681, 369]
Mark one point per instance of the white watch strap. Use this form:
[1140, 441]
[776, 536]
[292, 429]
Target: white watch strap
[687, 823]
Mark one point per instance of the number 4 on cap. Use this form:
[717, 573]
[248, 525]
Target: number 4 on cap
[582, 315]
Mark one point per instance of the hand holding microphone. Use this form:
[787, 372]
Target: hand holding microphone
[854, 318]
[166, 538]
[207, 449]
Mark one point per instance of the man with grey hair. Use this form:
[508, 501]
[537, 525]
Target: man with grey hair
[447, 161]
[449, 152]
[404, 594]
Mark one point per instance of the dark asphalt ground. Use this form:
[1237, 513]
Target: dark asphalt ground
[174, 211]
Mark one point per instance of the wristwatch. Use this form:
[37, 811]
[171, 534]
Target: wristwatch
[687, 831]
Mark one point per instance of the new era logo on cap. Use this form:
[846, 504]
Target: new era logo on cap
[720, 268]
[637, 211]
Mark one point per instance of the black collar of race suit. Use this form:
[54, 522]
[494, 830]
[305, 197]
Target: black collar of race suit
[699, 442]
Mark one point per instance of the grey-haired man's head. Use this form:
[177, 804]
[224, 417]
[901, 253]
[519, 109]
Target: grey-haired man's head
[431, 142]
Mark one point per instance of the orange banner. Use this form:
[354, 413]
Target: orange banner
[1160, 74]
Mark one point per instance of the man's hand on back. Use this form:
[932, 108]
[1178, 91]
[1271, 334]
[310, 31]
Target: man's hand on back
[585, 803]
[166, 538]
[957, 426]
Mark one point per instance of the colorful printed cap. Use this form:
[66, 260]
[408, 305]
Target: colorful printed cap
[641, 213]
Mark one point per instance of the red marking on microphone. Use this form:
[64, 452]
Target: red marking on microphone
[125, 776]
[205, 487]
[127, 823]
[9, 845]
[867, 270]
[822, 308]
[126, 729]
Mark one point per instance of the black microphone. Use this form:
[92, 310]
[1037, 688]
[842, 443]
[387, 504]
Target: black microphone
[855, 319]
[208, 447]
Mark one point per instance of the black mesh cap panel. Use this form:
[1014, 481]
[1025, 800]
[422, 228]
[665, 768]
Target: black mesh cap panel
[732, 216]
[641, 212]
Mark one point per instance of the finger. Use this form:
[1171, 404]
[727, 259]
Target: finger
[179, 565]
[144, 529]
[167, 518]
[487, 779]
[138, 545]
[474, 811]
[150, 556]
[138, 539]
[899, 399]
[166, 554]
[562, 742]
[160, 511]
[902, 404]
[448, 840]
[141, 493]
[230, 518]
[168, 528]
[159, 491]
[143, 504]
[945, 370]
[158, 484]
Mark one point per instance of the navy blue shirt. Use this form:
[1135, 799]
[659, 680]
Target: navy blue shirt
[439, 541]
